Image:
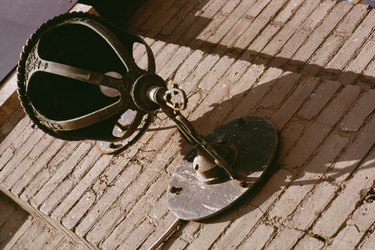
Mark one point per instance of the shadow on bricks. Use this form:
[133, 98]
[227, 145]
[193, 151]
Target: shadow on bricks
[183, 25]
[310, 104]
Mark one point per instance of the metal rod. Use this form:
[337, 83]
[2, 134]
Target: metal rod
[188, 131]
[168, 233]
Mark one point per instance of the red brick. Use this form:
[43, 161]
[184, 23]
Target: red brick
[259, 23]
[345, 202]
[355, 228]
[294, 102]
[56, 197]
[78, 191]
[285, 239]
[256, 92]
[174, 63]
[161, 227]
[312, 206]
[229, 21]
[21, 153]
[109, 197]
[311, 174]
[354, 69]
[333, 43]
[302, 34]
[19, 133]
[18, 182]
[162, 8]
[60, 174]
[347, 51]
[249, 214]
[318, 99]
[318, 130]
[355, 153]
[289, 136]
[363, 108]
[188, 65]
[182, 12]
[258, 238]
[290, 27]
[79, 209]
[144, 14]
[214, 76]
[134, 217]
[281, 90]
[368, 243]
[187, 235]
[321, 32]
[308, 242]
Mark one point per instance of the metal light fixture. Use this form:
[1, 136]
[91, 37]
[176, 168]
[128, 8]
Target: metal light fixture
[77, 79]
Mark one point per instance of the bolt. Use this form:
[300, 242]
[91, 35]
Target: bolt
[244, 184]
[175, 190]
[112, 145]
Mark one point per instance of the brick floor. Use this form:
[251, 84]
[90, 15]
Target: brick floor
[19, 230]
[306, 65]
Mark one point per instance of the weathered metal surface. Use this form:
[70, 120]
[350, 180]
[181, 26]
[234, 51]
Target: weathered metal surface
[256, 140]
[75, 75]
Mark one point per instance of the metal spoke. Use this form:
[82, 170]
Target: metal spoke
[80, 74]
[89, 119]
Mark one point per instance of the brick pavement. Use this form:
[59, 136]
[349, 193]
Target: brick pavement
[306, 65]
[19, 230]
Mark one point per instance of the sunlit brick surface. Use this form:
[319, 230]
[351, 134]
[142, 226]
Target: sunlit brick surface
[306, 65]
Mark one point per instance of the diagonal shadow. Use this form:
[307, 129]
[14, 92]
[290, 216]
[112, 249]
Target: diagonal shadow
[12, 217]
[174, 30]
[184, 28]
